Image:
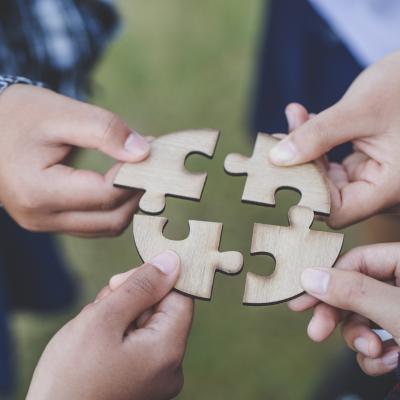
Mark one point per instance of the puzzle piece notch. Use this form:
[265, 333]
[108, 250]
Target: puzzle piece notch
[199, 252]
[164, 173]
[294, 249]
[264, 179]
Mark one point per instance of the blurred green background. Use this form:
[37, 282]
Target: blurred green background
[189, 64]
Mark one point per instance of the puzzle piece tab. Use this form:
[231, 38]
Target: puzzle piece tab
[164, 173]
[199, 253]
[265, 178]
[294, 248]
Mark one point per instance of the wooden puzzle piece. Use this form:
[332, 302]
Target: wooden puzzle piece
[164, 173]
[199, 253]
[265, 178]
[294, 249]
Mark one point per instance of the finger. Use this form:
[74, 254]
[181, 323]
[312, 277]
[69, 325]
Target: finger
[353, 291]
[144, 318]
[395, 210]
[102, 294]
[354, 164]
[173, 319]
[302, 303]
[115, 282]
[324, 322]
[279, 136]
[382, 365]
[95, 128]
[350, 206]
[316, 137]
[338, 176]
[380, 261]
[296, 115]
[95, 223]
[82, 190]
[146, 286]
[359, 336]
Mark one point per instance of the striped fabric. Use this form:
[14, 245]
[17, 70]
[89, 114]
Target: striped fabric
[7, 80]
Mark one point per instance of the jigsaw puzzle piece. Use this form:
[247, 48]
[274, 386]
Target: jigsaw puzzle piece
[199, 253]
[294, 249]
[164, 173]
[265, 178]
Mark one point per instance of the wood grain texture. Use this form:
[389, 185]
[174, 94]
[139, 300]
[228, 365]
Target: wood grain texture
[199, 253]
[164, 173]
[294, 249]
[265, 178]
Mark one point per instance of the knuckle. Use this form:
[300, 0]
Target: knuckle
[118, 225]
[29, 223]
[172, 372]
[110, 201]
[171, 356]
[177, 384]
[27, 202]
[103, 315]
[112, 124]
[173, 359]
[320, 129]
[351, 290]
[141, 284]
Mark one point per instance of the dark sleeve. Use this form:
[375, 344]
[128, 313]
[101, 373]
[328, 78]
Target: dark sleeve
[395, 393]
[7, 80]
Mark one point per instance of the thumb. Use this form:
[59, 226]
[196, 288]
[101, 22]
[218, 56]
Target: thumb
[354, 291]
[315, 137]
[145, 287]
[95, 128]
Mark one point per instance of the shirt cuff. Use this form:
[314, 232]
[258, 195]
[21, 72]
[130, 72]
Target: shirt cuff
[7, 80]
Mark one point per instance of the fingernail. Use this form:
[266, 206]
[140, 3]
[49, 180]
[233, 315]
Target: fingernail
[136, 144]
[290, 119]
[315, 281]
[361, 345]
[167, 262]
[284, 152]
[391, 359]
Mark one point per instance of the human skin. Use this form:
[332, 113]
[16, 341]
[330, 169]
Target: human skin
[368, 116]
[359, 293]
[362, 290]
[39, 130]
[128, 344]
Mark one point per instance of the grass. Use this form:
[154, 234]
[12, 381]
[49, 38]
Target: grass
[186, 64]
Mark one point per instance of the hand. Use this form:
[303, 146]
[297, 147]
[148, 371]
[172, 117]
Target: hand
[361, 288]
[368, 115]
[39, 129]
[127, 345]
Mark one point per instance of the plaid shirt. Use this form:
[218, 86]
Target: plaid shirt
[54, 41]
